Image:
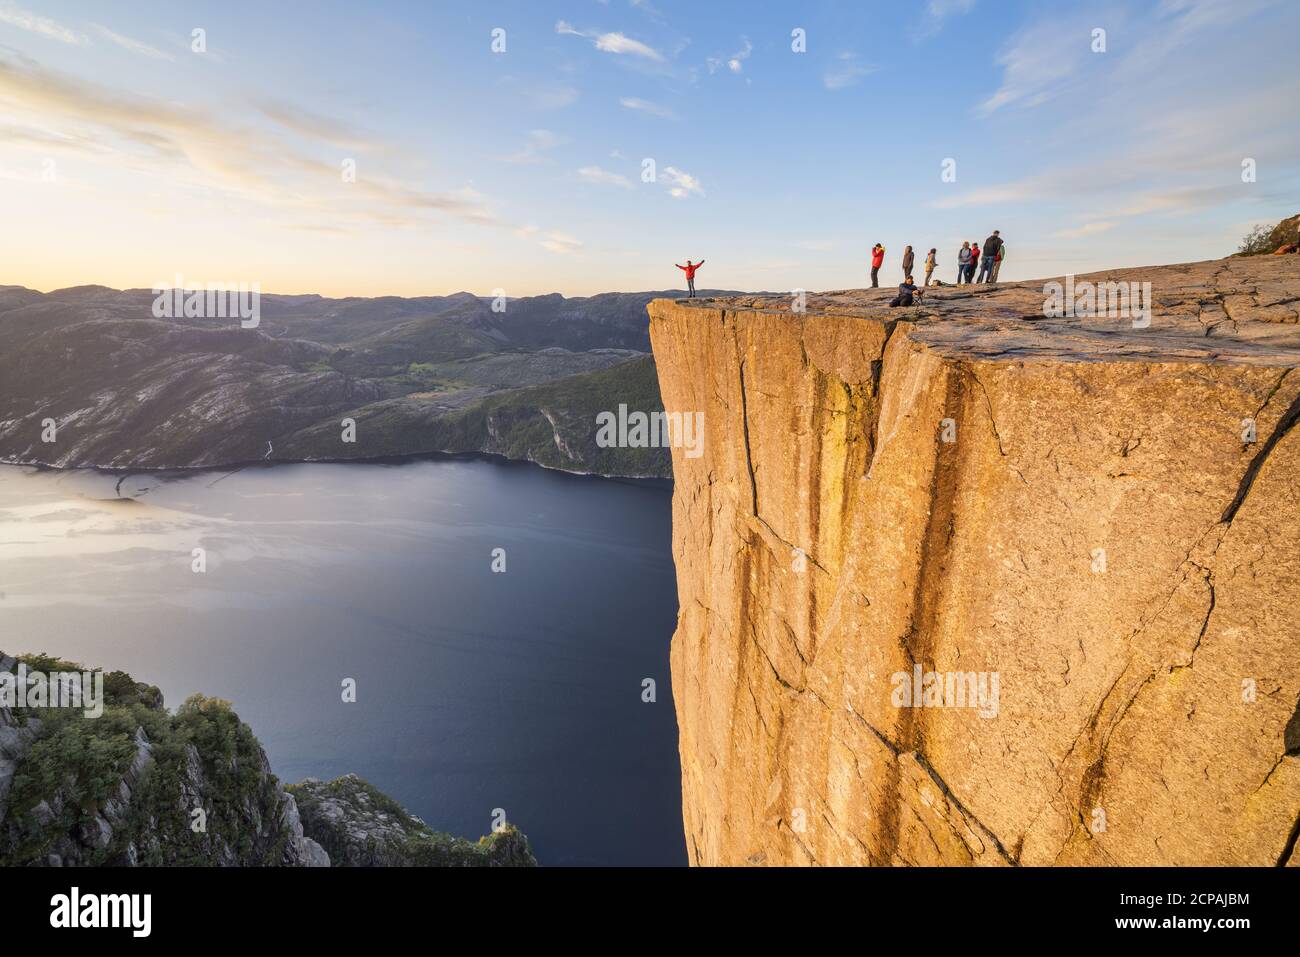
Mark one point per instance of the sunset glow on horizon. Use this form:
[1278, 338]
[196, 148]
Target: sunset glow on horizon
[412, 150]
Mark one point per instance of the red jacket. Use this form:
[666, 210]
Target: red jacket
[974, 254]
[690, 270]
[877, 257]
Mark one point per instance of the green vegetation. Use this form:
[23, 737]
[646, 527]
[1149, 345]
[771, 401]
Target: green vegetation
[523, 423]
[1256, 241]
[1263, 239]
[203, 757]
[380, 832]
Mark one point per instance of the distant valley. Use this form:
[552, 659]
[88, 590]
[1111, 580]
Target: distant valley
[123, 389]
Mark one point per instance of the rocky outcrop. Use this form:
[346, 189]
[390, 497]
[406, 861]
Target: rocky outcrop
[1078, 538]
[1285, 235]
[361, 827]
[139, 786]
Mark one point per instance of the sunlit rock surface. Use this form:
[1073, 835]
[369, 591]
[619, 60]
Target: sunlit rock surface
[1106, 518]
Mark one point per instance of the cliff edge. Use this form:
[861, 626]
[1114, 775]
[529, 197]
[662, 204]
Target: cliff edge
[963, 584]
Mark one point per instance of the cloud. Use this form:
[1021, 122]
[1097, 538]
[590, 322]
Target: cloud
[1037, 62]
[312, 125]
[612, 42]
[561, 243]
[135, 46]
[846, 71]
[937, 13]
[26, 20]
[645, 106]
[736, 62]
[594, 174]
[681, 184]
[539, 141]
[552, 98]
[202, 150]
[1087, 229]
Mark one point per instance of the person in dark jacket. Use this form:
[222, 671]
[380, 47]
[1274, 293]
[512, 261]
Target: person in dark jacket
[991, 247]
[908, 294]
[908, 259]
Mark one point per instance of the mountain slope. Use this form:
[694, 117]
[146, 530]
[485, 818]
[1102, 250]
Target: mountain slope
[89, 377]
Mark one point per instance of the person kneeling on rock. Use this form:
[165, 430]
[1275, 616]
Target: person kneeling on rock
[908, 294]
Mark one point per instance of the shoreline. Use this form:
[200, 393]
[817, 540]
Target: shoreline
[399, 459]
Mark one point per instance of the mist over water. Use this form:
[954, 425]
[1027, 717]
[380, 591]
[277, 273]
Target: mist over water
[475, 690]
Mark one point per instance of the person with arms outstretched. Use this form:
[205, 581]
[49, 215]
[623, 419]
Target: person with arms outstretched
[689, 269]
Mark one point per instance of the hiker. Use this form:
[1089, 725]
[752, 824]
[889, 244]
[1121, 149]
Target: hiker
[908, 259]
[997, 262]
[963, 262]
[877, 260]
[930, 263]
[974, 262]
[991, 246]
[690, 268]
[908, 294]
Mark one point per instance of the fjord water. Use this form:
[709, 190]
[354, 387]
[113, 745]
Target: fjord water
[476, 690]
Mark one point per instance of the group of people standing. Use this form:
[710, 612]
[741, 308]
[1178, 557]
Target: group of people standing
[986, 257]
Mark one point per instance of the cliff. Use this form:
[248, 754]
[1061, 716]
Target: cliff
[1082, 537]
[360, 826]
[135, 785]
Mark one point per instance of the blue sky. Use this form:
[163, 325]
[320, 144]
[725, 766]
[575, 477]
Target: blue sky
[126, 157]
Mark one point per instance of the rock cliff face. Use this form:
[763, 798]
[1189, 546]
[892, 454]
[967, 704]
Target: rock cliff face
[359, 826]
[1089, 530]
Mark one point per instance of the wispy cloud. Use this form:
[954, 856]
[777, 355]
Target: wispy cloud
[1086, 230]
[539, 141]
[846, 71]
[736, 62]
[645, 106]
[212, 152]
[681, 184]
[938, 12]
[595, 174]
[24, 19]
[138, 47]
[1037, 62]
[612, 42]
[561, 243]
[313, 125]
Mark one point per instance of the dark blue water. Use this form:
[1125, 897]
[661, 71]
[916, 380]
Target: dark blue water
[476, 690]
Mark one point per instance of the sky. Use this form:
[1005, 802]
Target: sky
[422, 148]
